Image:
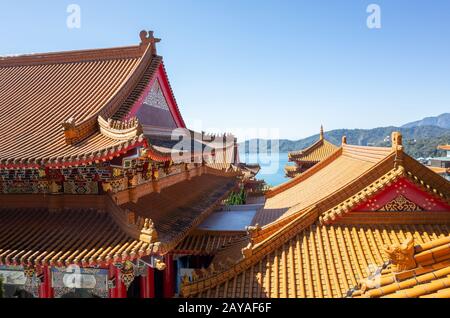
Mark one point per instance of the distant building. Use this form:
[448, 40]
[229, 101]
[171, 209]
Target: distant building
[441, 165]
[308, 157]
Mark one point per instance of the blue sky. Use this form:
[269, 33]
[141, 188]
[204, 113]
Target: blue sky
[291, 65]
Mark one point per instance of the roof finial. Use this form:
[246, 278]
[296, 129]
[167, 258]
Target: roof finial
[147, 38]
[397, 146]
[321, 132]
[396, 139]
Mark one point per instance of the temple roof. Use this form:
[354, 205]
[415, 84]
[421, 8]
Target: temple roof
[179, 208]
[318, 200]
[202, 242]
[314, 153]
[69, 233]
[322, 182]
[51, 104]
[73, 236]
[429, 277]
[319, 262]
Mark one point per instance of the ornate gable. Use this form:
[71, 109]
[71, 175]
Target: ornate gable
[401, 204]
[402, 196]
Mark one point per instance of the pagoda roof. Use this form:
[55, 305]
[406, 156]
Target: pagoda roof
[178, 209]
[74, 236]
[323, 182]
[202, 242]
[318, 151]
[428, 278]
[307, 213]
[53, 105]
[321, 261]
[34, 234]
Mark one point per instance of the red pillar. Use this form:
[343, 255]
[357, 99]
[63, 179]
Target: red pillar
[151, 282]
[148, 284]
[121, 290]
[45, 289]
[169, 279]
[112, 275]
[144, 287]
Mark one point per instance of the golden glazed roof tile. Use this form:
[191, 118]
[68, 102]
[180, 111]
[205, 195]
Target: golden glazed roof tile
[321, 261]
[428, 278]
[345, 166]
[314, 153]
[207, 242]
[336, 256]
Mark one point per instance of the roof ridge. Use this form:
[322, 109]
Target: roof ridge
[307, 149]
[301, 177]
[89, 125]
[426, 178]
[376, 186]
[71, 56]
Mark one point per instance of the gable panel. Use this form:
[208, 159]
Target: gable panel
[402, 196]
[154, 110]
[156, 105]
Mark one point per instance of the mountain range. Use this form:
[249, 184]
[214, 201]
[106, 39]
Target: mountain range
[420, 138]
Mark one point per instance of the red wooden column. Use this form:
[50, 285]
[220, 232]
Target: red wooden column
[112, 275]
[45, 289]
[169, 279]
[151, 282]
[120, 291]
[120, 286]
[144, 291]
[148, 284]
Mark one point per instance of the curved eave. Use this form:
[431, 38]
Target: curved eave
[101, 155]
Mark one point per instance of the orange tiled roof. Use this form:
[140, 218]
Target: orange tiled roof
[289, 168]
[439, 170]
[83, 237]
[207, 242]
[90, 237]
[444, 147]
[347, 164]
[177, 209]
[40, 92]
[319, 262]
[314, 153]
[430, 277]
[293, 207]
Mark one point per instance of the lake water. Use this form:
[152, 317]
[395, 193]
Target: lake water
[272, 166]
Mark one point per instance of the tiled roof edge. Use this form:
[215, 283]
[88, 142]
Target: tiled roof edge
[74, 56]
